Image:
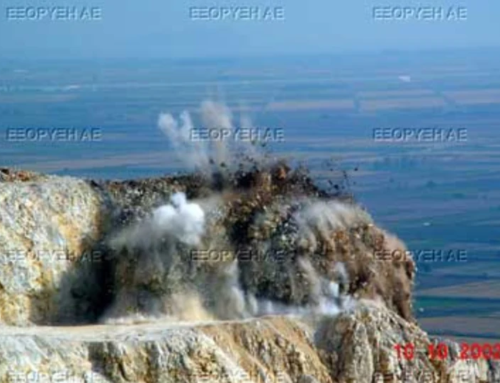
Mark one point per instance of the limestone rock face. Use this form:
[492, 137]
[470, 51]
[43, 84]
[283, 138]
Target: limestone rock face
[359, 346]
[47, 228]
[355, 346]
[272, 349]
[57, 264]
[92, 291]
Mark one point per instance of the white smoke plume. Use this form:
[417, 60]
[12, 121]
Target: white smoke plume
[218, 116]
[184, 220]
[180, 220]
[196, 151]
[193, 153]
[153, 241]
[325, 296]
[234, 303]
[318, 219]
[230, 302]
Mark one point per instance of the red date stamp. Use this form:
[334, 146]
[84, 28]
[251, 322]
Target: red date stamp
[480, 351]
[440, 351]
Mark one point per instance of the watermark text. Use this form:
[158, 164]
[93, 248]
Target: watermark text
[53, 134]
[238, 134]
[420, 134]
[57, 13]
[428, 13]
[423, 255]
[52, 255]
[242, 255]
[237, 13]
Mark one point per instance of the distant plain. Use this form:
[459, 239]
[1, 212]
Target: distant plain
[434, 195]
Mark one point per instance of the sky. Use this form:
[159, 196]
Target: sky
[185, 28]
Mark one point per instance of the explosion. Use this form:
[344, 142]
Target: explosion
[278, 243]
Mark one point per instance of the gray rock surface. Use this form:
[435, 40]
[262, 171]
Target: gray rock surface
[65, 290]
[356, 346]
[47, 232]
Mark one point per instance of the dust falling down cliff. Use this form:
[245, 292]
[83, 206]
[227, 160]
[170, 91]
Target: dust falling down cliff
[254, 239]
[242, 273]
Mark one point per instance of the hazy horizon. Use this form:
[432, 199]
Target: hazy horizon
[180, 29]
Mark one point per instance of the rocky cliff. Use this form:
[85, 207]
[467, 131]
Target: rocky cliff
[248, 275]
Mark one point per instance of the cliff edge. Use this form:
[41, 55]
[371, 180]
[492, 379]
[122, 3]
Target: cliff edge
[253, 275]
